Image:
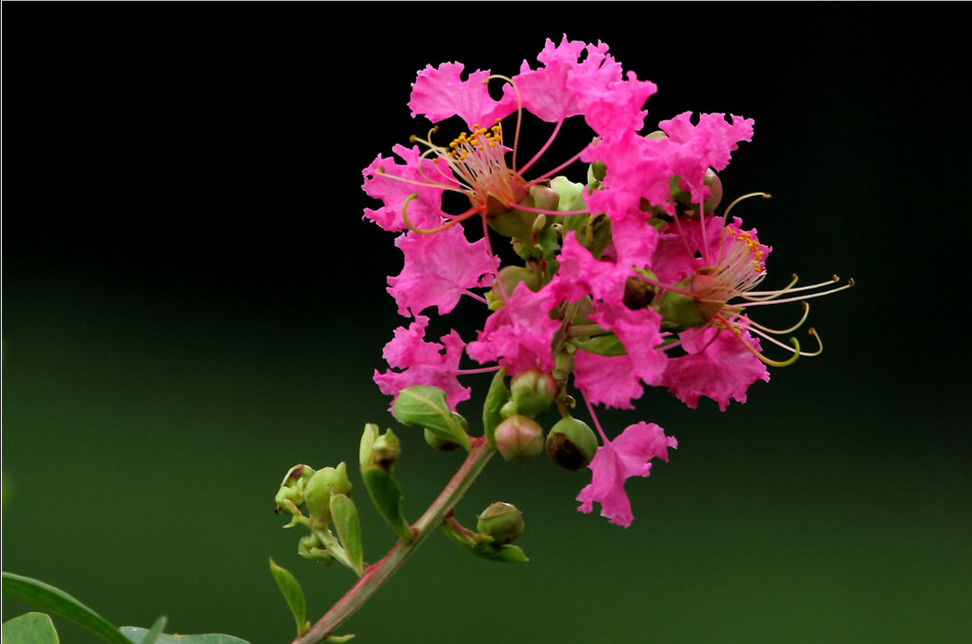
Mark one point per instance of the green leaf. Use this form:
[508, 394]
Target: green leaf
[386, 494]
[30, 628]
[138, 635]
[338, 639]
[293, 595]
[54, 600]
[424, 406]
[155, 632]
[496, 397]
[348, 526]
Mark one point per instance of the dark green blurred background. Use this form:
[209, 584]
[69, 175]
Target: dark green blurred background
[192, 304]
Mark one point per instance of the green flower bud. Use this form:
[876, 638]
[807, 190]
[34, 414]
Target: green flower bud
[596, 172]
[533, 392]
[519, 439]
[321, 486]
[290, 496]
[501, 521]
[683, 199]
[385, 451]
[571, 444]
[680, 311]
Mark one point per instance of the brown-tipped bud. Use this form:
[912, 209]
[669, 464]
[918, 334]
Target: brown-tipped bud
[290, 496]
[438, 442]
[571, 444]
[385, 451]
[519, 439]
[501, 521]
[533, 392]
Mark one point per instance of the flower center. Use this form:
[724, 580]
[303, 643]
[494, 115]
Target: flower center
[477, 161]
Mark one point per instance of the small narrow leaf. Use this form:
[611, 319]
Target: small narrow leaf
[338, 639]
[386, 494]
[496, 397]
[30, 628]
[293, 595]
[54, 600]
[348, 527]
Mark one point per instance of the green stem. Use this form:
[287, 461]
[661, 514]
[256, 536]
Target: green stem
[378, 573]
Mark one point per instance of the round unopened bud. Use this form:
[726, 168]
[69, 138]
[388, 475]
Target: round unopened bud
[385, 451]
[501, 521]
[571, 444]
[317, 494]
[533, 392]
[519, 439]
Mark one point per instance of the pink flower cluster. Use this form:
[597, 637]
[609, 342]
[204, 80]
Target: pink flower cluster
[623, 282]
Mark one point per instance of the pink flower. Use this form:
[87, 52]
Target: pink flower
[423, 363]
[626, 456]
[438, 269]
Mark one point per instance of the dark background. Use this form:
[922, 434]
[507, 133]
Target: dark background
[192, 304]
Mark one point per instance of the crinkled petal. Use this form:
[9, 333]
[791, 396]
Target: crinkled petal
[438, 269]
[423, 363]
[518, 335]
[439, 93]
[626, 456]
[708, 144]
[717, 365]
[394, 183]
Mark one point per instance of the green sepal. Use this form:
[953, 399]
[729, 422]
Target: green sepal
[386, 494]
[483, 546]
[348, 526]
[602, 345]
[367, 440]
[497, 396]
[293, 595]
[54, 600]
[311, 547]
[30, 628]
[425, 406]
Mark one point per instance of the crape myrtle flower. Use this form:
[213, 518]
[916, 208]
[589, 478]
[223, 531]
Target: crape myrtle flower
[627, 281]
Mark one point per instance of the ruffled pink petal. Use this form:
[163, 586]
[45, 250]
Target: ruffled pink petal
[439, 93]
[708, 144]
[438, 269]
[607, 380]
[518, 335]
[626, 456]
[394, 183]
[716, 366]
[423, 363]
